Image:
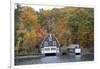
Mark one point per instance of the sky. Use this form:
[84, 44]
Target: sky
[38, 6]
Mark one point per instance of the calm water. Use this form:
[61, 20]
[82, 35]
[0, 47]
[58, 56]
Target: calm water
[54, 59]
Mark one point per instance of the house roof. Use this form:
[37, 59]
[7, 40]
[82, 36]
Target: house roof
[50, 38]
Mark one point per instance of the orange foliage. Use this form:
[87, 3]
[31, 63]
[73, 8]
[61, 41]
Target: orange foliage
[41, 32]
[62, 24]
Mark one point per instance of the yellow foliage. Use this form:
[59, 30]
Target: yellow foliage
[27, 16]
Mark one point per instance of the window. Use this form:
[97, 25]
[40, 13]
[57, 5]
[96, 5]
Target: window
[53, 48]
[54, 43]
[46, 43]
[46, 49]
[50, 38]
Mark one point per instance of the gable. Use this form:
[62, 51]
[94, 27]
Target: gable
[50, 40]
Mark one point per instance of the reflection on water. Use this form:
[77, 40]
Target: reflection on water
[54, 59]
[78, 57]
[50, 59]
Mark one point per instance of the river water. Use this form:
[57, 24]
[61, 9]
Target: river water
[54, 59]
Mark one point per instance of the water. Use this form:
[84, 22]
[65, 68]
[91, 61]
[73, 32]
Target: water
[54, 59]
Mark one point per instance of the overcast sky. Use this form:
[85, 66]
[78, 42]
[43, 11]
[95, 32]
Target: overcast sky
[37, 7]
